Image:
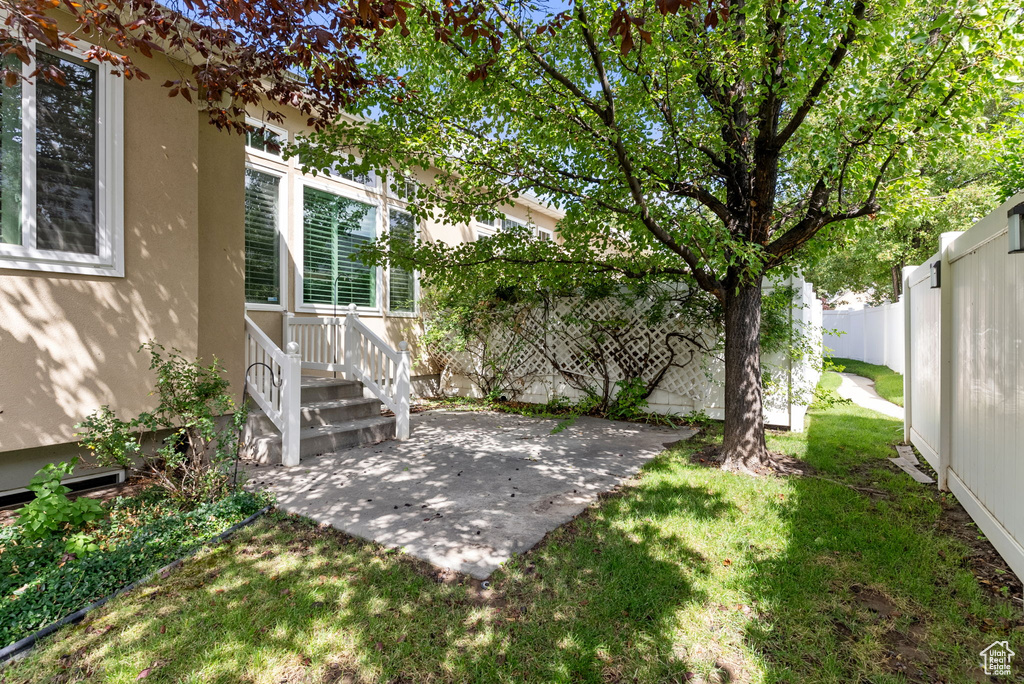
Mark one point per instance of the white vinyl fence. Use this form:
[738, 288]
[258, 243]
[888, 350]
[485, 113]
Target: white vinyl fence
[964, 380]
[696, 386]
[872, 334]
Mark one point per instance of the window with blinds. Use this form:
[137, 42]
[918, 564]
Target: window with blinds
[262, 238]
[63, 213]
[402, 283]
[334, 229]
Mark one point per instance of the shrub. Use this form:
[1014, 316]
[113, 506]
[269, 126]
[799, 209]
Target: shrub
[192, 461]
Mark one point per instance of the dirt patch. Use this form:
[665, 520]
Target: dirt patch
[988, 567]
[778, 465]
[875, 601]
[904, 655]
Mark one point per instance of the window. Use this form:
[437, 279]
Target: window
[60, 169]
[262, 238]
[511, 224]
[544, 235]
[485, 227]
[402, 283]
[265, 139]
[334, 228]
[403, 187]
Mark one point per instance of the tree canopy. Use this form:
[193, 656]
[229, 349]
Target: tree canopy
[683, 140]
[948, 189]
[234, 56]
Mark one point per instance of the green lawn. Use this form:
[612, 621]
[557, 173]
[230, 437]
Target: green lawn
[888, 383]
[841, 576]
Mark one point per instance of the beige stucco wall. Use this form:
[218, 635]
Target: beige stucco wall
[68, 343]
[222, 250]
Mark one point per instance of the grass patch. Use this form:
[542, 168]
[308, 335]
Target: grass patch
[888, 383]
[843, 576]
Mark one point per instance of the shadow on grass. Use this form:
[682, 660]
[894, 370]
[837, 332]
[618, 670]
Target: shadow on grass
[287, 601]
[865, 589]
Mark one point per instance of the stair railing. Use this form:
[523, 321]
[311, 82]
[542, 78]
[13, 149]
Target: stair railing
[274, 381]
[348, 345]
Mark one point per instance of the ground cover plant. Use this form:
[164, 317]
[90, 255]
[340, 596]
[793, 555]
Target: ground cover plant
[42, 579]
[888, 383]
[851, 572]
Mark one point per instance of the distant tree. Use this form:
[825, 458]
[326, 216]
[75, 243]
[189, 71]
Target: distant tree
[948, 189]
[686, 141]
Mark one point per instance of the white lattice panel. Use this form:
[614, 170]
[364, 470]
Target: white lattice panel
[692, 380]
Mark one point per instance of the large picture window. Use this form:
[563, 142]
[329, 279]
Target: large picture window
[262, 238]
[402, 283]
[334, 229]
[60, 171]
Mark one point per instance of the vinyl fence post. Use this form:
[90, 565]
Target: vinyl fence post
[945, 359]
[908, 351]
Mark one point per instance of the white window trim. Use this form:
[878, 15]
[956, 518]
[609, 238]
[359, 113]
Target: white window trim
[276, 130]
[541, 232]
[282, 227]
[109, 184]
[342, 188]
[415, 313]
[331, 176]
[483, 230]
[393, 196]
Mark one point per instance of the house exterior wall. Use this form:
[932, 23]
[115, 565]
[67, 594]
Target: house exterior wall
[69, 343]
[393, 328]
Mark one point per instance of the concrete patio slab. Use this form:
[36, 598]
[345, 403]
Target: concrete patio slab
[469, 489]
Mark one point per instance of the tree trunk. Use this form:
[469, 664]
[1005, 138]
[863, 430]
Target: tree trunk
[743, 447]
[896, 271]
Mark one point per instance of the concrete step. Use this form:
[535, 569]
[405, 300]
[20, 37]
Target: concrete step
[329, 389]
[319, 413]
[324, 439]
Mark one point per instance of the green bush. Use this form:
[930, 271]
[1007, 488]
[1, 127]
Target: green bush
[193, 461]
[40, 583]
[51, 511]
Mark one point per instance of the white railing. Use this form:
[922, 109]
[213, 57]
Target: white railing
[361, 355]
[319, 341]
[273, 379]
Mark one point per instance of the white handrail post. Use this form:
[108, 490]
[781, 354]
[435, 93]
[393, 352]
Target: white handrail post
[403, 391]
[291, 400]
[351, 342]
[286, 329]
